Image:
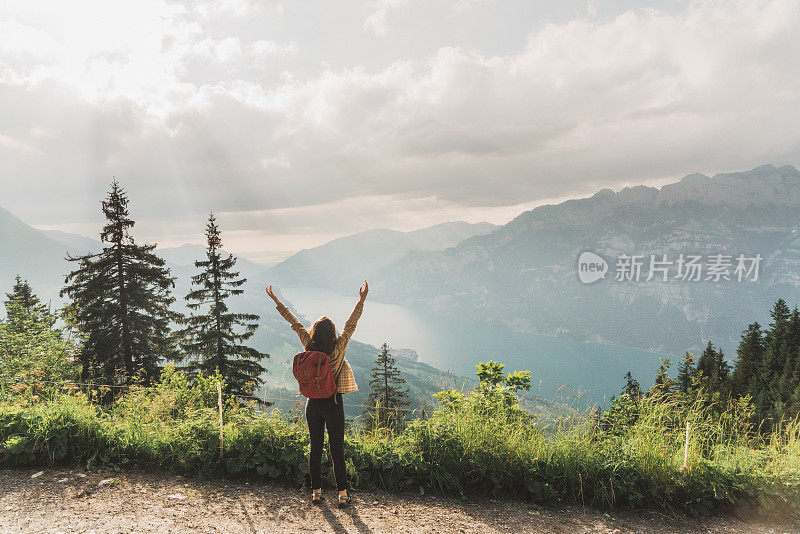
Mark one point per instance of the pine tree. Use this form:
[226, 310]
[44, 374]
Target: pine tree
[723, 369]
[789, 382]
[748, 370]
[686, 373]
[33, 351]
[23, 306]
[211, 335]
[632, 388]
[121, 298]
[707, 365]
[794, 386]
[663, 383]
[23, 294]
[712, 369]
[775, 341]
[623, 411]
[387, 391]
[771, 399]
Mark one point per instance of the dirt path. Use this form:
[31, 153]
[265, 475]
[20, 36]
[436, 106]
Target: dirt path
[77, 501]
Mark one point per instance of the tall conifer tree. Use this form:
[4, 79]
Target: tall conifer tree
[789, 382]
[23, 306]
[212, 334]
[632, 387]
[663, 383]
[748, 370]
[686, 373]
[771, 400]
[775, 340]
[23, 294]
[712, 368]
[387, 390]
[707, 364]
[121, 299]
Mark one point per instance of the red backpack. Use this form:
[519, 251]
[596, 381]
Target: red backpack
[313, 372]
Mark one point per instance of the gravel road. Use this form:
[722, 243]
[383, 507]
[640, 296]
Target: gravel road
[58, 500]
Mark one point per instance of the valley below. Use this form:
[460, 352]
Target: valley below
[564, 370]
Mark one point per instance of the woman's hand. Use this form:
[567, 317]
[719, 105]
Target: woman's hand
[363, 290]
[272, 295]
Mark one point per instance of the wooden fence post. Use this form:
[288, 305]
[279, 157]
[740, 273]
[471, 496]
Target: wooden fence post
[686, 449]
[219, 402]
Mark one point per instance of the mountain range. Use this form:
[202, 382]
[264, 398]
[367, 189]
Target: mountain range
[524, 275]
[347, 261]
[34, 255]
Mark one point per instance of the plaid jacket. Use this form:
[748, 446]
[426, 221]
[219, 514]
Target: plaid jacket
[345, 381]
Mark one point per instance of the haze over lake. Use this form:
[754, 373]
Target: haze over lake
[452, 343]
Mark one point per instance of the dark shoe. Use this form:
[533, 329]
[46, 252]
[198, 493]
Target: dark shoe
[317, 498]
[344, 501]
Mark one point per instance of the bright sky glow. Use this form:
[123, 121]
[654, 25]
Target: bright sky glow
[305, 121]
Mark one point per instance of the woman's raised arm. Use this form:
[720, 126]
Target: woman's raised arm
[350, 325]
[297, 326]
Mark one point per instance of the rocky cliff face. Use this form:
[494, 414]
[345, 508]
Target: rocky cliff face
[408, 354]
[524, 275]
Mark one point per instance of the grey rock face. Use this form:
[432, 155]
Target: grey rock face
[524, 274]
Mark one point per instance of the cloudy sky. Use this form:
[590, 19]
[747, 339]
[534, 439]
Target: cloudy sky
[300, 121]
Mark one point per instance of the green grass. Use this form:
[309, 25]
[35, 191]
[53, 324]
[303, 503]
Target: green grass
[471, 445]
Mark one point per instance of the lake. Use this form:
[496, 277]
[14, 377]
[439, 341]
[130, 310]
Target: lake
[562, 369]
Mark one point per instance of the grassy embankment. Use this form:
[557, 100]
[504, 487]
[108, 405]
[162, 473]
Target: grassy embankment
[475, 444]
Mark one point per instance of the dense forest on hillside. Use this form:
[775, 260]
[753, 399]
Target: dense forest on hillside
[765, 376]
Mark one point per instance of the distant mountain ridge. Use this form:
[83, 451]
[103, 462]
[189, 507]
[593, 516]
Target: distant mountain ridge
[348, 261]
[524, 274]
[75, 243]
[32, 254]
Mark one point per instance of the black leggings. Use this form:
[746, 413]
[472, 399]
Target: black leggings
[319, 414]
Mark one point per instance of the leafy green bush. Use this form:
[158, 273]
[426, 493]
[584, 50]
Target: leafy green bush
[34, 355]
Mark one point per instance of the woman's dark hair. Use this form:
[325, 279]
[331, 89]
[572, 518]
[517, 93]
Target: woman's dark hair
[323, 336]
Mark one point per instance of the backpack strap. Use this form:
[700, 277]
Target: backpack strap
[318, 377]
[335, 381]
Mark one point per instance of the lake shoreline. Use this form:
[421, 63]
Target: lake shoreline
[580, 370]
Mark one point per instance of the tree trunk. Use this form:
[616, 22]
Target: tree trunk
[125, 340]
